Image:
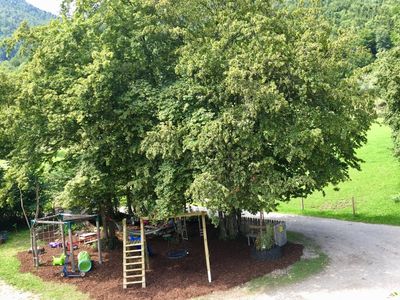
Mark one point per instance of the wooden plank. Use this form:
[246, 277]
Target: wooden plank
[134, 282]
[49, 222]
[98, 240]
[124, 253]
[63, 239]
[203, 219]
[189, 214]
[131, 251]
[139, 269]
[71, 248]
[132, 245]
[134, 263]
[142, 239]
[134, 276]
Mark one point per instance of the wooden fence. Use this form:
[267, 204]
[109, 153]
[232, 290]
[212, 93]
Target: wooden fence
[332, 204]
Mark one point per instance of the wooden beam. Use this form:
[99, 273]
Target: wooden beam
[63, 239]
[189, 214]
[143, 242]
[203, 219]
[71, 248]
[99, 239]
[124, 253]
[49, 222]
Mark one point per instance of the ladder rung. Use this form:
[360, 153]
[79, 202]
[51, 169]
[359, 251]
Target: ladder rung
[133, 282]
[133, 257]
[131, 264]
[131, 245]
[131, 270]
[134, 263]
[134, 244]
[134, 276]
[130, 251]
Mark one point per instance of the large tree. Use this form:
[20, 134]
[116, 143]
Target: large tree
[233, 105]
[266, 108]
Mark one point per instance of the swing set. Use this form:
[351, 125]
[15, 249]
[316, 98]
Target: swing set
[135, 256]
[50, 228]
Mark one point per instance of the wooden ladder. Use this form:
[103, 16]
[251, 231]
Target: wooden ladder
[134, 258]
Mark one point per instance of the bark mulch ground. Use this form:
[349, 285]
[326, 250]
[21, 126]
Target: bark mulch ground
[231, 265]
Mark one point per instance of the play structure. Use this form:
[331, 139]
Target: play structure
[136, 250]
[52, 230]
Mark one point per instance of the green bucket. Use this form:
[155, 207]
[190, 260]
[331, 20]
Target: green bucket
[84, 262]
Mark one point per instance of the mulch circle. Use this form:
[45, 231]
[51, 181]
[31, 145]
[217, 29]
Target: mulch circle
[231, 265]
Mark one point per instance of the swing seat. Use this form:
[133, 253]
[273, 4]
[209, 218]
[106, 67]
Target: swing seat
[177, 254]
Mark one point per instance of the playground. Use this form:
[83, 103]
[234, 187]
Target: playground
[181, 278]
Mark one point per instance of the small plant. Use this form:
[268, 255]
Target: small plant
[396, 198]
[265, 240]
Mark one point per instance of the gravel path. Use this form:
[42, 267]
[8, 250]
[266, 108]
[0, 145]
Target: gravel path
[364, 261]
[10, 293]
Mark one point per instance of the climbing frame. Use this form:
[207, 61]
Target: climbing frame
[134, 258]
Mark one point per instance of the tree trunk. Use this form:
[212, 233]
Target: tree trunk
[23, 207]
[229, 225]
[239, 220]
[37, 198]
[129, 201]
[221, 226]
[104, 221]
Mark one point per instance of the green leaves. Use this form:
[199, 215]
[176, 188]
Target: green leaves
[231, 105]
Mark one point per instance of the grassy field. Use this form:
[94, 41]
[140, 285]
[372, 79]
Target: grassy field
[9, 272]
[373, 188]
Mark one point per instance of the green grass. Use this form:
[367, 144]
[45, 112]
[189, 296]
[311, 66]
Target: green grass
[9, 272]
[297, 272]
[373, 187]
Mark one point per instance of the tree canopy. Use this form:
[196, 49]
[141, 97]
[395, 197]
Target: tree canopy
[160, 104]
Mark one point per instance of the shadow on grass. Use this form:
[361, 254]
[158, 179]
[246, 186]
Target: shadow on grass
[297, 272]
[9, 272]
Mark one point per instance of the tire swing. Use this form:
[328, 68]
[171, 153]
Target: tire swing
[181, 231]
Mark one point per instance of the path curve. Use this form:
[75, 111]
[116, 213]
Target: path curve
[364, 260]
[10, 293]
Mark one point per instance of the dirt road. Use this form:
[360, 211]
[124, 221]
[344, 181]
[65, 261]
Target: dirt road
[364, 261]
[9, 293]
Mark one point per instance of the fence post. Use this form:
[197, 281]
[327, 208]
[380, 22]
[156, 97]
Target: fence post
[302, 204]
[354, 206]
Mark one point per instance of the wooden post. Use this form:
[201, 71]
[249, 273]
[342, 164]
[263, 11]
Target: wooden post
[124, 253]
[99, 239]
[35, 251]
[71, 248]
[302, 204]
[63, 239]
[146, 252]
[203, 219]
[143, 241]
[354, 206]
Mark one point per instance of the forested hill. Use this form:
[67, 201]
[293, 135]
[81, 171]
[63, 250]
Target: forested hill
[13, 12]
[377, 22]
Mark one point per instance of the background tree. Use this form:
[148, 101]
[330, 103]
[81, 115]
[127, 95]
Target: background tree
[265, 109]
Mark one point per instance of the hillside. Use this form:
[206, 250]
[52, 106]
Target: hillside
[13, 12]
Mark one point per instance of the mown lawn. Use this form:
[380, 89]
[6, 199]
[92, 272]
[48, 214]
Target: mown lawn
[373, 187]
[9, 272]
